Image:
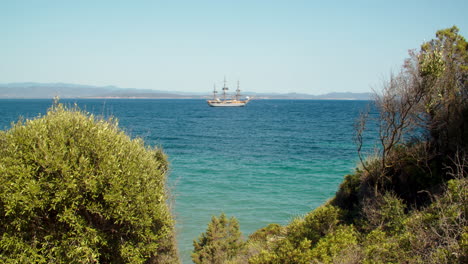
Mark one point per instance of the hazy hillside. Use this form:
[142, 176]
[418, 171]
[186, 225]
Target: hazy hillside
[65, 90]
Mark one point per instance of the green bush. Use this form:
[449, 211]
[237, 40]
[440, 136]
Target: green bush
[267, 232]
[220, 243]
[348, 197]
[76, 189]
[294, 243]
[380, 248]
[386, 212]
[438, 233]
[284, 252]
[335, 244]
[315, 224]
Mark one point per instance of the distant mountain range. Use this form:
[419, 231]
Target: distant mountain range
[32, 90]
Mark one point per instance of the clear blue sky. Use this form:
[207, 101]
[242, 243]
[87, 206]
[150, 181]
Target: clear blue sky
[270, 46]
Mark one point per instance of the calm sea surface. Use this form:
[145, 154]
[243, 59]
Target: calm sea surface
[264, 163]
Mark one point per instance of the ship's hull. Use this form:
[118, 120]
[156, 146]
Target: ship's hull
[215, 103]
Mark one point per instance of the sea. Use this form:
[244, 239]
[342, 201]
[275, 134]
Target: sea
[268, 162]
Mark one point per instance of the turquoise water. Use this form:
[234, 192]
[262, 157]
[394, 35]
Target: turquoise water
[268, 162]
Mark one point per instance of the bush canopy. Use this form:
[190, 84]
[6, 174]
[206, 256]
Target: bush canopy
[75, 188]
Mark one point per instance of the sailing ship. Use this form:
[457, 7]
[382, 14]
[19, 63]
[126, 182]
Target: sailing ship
[225, 101]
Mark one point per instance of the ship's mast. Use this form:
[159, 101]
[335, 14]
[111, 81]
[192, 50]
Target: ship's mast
[224, 88]
[214, 92]
[238, 91]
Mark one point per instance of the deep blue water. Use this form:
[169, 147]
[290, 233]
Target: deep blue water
[268, 162]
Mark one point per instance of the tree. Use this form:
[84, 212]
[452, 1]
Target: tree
[423, 121]
[443, 67]
[76, 189]
[220, 243]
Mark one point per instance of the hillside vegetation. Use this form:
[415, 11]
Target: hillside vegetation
[76, 189]
[406, 203]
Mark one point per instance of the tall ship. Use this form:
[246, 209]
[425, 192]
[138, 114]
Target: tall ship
[226, 101]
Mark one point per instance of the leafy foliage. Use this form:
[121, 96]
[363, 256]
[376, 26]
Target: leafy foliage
[423, 121]
[313, 236]
[315, 224]
[267, 232]
[284, 252]
[386, 213]
[335, 244]
[220, 243]
[76, 189]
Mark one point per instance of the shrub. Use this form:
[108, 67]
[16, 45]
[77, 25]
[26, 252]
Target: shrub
[76, 189]
[334, 244]
[285, 252]
[267, 232]
[349, 196]
[425, 103]
[380, 248]
[386, 212]
[315, 224]
[220, 243]
[439, 231]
